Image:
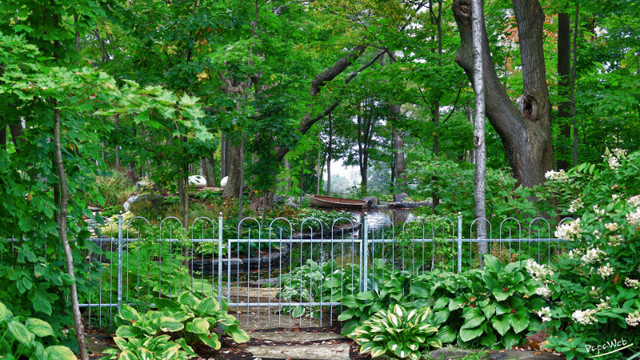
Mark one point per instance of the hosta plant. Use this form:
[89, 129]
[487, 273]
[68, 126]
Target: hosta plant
[188, 319]
[28, 338]
[398, 333]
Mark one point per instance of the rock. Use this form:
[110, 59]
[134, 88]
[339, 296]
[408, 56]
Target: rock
[455, 353]
[537, 340]
[524, 355]
[308, 352]
[301, 336]
[279, 199]
[154, 200]
[291, 205]
[224, 181]
[400, 197]
[197, 181]
[372, 201]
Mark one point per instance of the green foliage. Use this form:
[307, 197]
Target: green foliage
[593, 289]
[29, 338]
[317, 282]
[169, 331]
[398, 333]
[492, 307]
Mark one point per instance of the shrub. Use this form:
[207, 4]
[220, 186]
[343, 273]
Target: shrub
[593, 289]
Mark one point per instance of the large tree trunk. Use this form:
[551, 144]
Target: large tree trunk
[232, 190]
[564, 74]
[524, 131]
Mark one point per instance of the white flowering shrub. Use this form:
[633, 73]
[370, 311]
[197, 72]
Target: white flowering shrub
[592, 290]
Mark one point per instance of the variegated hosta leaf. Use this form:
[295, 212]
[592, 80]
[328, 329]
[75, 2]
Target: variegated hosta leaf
[378, 351]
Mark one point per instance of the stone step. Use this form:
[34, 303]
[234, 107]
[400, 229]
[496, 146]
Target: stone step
[288, 336]
[308, 352]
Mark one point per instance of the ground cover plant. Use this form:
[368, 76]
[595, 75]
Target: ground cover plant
[169, 331]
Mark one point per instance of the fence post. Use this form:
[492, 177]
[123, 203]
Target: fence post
[220, 259]
[365, 250]
[459, 241]
[119, 261]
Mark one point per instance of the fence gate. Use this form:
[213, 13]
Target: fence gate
[279, 277]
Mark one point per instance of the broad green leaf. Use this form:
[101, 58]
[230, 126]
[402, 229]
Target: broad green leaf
[39, 327]
[492, 263]
[470, 334]
[188, 299]
[170, 324]
[198, 326]
[126, 331]
[501, 325]
[128, 313]
[238, 335]
[446, 334]
[456, 303]
[208, 306]
[5, 314]
[59, 352]
[365, 295]
[519, 322]
[21, 333]
[211, 340]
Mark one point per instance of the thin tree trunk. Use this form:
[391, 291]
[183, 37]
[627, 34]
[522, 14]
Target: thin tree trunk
[214, 178]
[62, 231]
[478, 129]
[573, 85]
[435, 106]
[287, 184]
[329, 156]
[116, 145]
[241, 182]
[564, 74]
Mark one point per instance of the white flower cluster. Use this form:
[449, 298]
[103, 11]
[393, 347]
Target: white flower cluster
[615, 240]
[633, 319]
[634, 218]
[613, 158]
[538, 272]
[544, 291]
[574, 253]
[592, 256]
[611, 226]
[598, 211]
[603, 304]
[634, 201]
[595, 292]
[619, 153]
[568, 230]
[556, 175]
[576, 205]
[606, 271]
[545, 314]
[632, 283]
[586, 317]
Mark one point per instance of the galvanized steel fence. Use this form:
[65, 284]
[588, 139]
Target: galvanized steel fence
[272, 275]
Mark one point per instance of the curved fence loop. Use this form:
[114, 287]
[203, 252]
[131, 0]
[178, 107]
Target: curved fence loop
[312, 219]
[544, 222]
[487, 222]
[247, 219]
[280, 219]
[510, 219]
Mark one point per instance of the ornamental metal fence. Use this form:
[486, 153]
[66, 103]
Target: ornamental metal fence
[281, 273]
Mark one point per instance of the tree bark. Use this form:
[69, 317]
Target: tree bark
[524, 131]
[329, 156]
[398, 149]
[232, 189]
[63, 204]
[480, 173]
[573, 85]
[564, 74]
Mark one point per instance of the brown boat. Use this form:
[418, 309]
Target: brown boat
[336, 202]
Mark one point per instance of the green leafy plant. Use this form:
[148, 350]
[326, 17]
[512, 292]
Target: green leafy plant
[398, 333]
[317, 282]
[30, 338]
